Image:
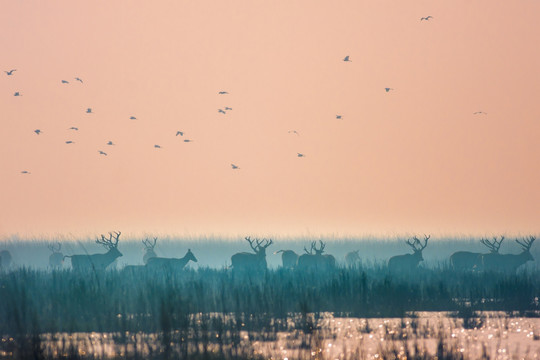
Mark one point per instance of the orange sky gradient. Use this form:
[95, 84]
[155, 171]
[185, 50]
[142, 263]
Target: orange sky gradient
[414, 159]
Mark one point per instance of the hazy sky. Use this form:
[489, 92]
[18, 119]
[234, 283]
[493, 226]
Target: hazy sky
[415, 159]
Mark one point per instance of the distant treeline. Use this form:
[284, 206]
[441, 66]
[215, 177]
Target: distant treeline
[67, 301]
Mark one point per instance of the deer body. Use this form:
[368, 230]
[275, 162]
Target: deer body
[243, 262]
[470, 261]
[289, 258]
[352, 258]
[98, 261]
[317, 261]
[159, 263]
[408, 262]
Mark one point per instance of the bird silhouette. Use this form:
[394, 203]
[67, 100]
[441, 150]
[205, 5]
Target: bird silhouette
[234, 167]
[132, 118]
[102, 152]
[300, 155]
[479, 112]
[347, 58]
[73, 128]
[426, 18]
[110, 143]
[188, 140]
[222, 93]
[69, 142]
[293, 132]
[17, 94]
[65, 82]
[338, 117]
[10, 72]
[388, 89]
[25, 172]
[221, 111]
[157, 146]
[89, 111]
[79, 79]
[179, 133]
[227, 108]
[37, 131]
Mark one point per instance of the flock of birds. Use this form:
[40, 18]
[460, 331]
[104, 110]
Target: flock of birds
[223, 111]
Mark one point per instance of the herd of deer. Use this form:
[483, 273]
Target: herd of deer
[313, 259]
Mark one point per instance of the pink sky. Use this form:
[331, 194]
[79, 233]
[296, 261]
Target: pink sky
[414, 159]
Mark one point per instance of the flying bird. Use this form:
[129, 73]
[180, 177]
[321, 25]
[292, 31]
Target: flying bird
[89, 111]
[234, 167]
[221, 111]
[73, 128]
[338, 117]
[222, 93]
[293, 132]
[426, 18]
[132, 118]
[65, 82]
[388, 89]
[227, 108]
[188, 140]
[157, 146]
[69, 142]
[102, 152]
[300, 155]
[347, 58]
[110, 143]
[37, 131]
[79, 79]
[17, 94]
[479, 112]
[10, 72]
[25, 172]
[181, 133]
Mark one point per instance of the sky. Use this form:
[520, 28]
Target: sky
[415, 159]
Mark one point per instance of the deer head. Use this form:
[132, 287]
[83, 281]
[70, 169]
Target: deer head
[55, 248]
[417, 246]
[149, 245]
[110, 243]
[260, 245]
[493, 246]
[526, 246]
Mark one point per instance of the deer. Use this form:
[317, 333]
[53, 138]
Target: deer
[409, 262]
[56, 259]
[288, 258]
[5, 259]
[252, 262]
[470, 261]
[98, 261]
[317, 261]
[170, 264]
[149, 250]
[509, 262]
[352, 258]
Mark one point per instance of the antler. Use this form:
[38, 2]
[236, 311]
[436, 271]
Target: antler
[493, 246]
[109, 243]
[248, 239]
[526, 243]
[54, 248]
[416, 242]
[267, 243]
[321, 249]
[148, 244]
[310, 252]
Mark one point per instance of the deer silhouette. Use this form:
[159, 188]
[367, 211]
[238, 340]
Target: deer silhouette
[288, 258]
[509, 262]
[313, 262]
[149, 250]
[5, 259]
[98, 261]
[56, 259]
[252, 262]
[472, 261]
[352, 258]
[409, 262]
[170, 264]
